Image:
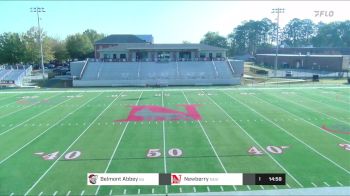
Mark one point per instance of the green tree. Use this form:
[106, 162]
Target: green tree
[60, 51]
[79, 46]
[214, 39]
[12, 48]
[32, 47]
[298, 33]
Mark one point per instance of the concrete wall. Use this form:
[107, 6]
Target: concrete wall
[173, 82]
[76, 67]
[325, 63]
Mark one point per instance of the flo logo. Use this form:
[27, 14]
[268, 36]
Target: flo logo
[158, 113]
[92, 178]
[175, 179]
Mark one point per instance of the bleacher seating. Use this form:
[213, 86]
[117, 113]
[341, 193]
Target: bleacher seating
[13, 76]
[156, 73]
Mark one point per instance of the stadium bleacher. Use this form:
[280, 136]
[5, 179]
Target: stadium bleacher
[158, 73]
[13, 76]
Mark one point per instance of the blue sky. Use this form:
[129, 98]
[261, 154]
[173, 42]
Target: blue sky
[167, 21]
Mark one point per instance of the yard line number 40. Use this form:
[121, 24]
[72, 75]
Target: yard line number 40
[54, 155]
[272, 149]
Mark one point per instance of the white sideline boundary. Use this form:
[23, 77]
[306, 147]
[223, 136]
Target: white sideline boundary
[176, 89]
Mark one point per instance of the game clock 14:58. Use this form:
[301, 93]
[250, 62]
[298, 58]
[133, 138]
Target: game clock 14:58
[270, 179]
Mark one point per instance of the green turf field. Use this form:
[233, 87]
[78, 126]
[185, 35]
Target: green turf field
[242, 130]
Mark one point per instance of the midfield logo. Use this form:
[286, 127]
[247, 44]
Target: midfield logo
[158, 113]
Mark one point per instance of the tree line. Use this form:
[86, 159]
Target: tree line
[25, 48]
[246, 38]
[252, 35]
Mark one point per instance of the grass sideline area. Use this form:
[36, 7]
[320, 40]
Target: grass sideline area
[52, 138]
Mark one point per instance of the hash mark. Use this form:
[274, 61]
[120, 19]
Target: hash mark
[262, 187]
[124, 192]
[326, 183]
[249, 187]
[82, 192]
[152, 190]
[234, 188]
[138, 191]
[288, 185]
[40, 193]
[340, 183]
[11, 194]
[314, 184]
[110, 192]
[222, 188]
[180, 189]
[68, 193]
[274, 186]
[208, 188]
[55, 193]
[194, 189]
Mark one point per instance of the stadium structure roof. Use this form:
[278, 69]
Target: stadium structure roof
[146, 46]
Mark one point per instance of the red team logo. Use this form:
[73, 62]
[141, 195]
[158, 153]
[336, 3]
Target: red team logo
[175, 179]
[158, 113]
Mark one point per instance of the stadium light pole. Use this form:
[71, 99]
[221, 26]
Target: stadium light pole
[277, 11]
[38, 10]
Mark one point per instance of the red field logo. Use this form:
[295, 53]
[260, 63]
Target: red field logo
[158, 113]
[175, 179]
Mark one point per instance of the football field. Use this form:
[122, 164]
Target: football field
[50, 140]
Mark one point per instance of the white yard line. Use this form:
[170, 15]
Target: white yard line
[54, 163]
[47, 130]
[23, 108]
[290, 134]
[302, 119]
[308, 108]
[34, 116]
[262, 148]
[117, 145]
[164, 146]
[209, 141]
[340, 183]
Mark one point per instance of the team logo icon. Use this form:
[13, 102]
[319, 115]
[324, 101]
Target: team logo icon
[175, 179]
[92, 178]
